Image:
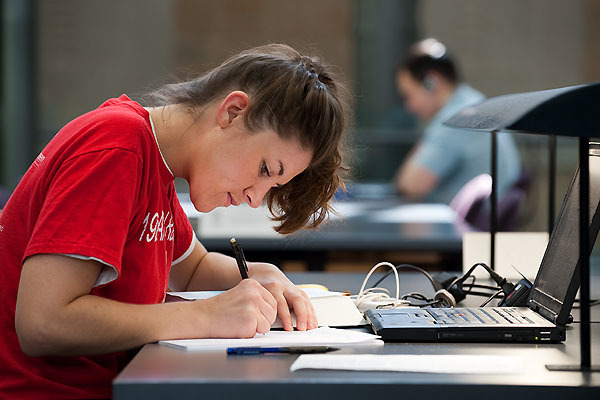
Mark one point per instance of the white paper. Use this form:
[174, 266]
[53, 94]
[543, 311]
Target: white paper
[242, 221]
[314, 292]
[198, 295]
[522, 250]
[454, 364]
[335, 311]
[416, 213]
[346, 209]
[311, 292]
[323, 336]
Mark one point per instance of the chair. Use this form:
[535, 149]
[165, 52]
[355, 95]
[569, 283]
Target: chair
[471, 202]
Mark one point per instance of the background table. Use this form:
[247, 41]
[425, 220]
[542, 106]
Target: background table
[371, 226]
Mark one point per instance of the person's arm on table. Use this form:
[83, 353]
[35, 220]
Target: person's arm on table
[414, 182]
[56, 315]
[214, 271]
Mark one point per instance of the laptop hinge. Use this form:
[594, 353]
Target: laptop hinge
[543, 311]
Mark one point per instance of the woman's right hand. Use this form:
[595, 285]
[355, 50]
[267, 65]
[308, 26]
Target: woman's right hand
[240, 312]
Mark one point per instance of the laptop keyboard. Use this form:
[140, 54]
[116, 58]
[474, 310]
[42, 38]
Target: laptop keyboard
[479, 316]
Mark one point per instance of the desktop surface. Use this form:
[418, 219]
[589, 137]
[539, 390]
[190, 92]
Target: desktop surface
[159, 371]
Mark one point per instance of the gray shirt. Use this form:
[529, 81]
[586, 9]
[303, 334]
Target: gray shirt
[457, 155]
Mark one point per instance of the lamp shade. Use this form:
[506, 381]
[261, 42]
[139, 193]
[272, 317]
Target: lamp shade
[568, 111]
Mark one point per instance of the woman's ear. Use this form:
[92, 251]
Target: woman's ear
[233, 106]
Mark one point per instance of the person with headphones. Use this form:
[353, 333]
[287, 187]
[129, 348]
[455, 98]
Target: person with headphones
[445, 158]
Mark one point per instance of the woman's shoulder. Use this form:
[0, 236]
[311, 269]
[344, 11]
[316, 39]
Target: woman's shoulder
[122, 111]
[117, 123]
[120, 116]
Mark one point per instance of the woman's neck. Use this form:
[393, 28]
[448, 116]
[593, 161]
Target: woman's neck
[179, 133]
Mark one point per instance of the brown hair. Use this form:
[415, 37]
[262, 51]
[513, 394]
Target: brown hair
[296, 96]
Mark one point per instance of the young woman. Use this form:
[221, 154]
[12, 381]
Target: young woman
[94, 235]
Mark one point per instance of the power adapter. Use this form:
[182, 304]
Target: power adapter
[517, 297]
[443, 280]
[444, 299]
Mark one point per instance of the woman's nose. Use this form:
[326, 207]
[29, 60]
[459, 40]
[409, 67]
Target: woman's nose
[254, 195]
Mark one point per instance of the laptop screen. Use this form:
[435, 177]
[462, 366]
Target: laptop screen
[557, 281]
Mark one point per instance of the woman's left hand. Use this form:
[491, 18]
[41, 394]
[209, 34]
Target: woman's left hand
[288, 296]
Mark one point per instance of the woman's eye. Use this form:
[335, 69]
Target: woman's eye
[264, 170]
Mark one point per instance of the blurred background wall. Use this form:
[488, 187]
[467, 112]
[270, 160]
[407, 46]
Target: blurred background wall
[61, 58]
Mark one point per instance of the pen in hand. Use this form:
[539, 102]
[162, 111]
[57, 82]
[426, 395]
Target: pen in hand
[239, 258]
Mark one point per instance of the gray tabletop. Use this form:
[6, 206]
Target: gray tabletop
[366, 228]
[374, 225]
[159, 371]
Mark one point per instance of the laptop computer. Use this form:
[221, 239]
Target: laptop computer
[548, 305]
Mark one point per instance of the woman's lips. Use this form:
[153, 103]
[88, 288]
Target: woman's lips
[230, 200]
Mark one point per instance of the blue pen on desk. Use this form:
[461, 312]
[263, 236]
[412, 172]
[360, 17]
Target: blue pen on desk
[245, 351]
[239, 258]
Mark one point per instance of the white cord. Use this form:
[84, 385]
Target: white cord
[378, 297]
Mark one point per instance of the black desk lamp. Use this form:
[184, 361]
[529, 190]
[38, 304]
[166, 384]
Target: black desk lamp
[570, 111]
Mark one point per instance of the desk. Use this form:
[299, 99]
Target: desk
[366, 225]
[162, 372]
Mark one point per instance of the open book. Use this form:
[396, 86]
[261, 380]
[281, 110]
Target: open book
[333, 309]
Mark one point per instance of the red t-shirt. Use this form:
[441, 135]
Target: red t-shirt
[99, 190]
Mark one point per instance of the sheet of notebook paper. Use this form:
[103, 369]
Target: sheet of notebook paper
[323, 336]
[447, 363]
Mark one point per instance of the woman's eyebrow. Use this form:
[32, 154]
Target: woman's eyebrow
[280, 168]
